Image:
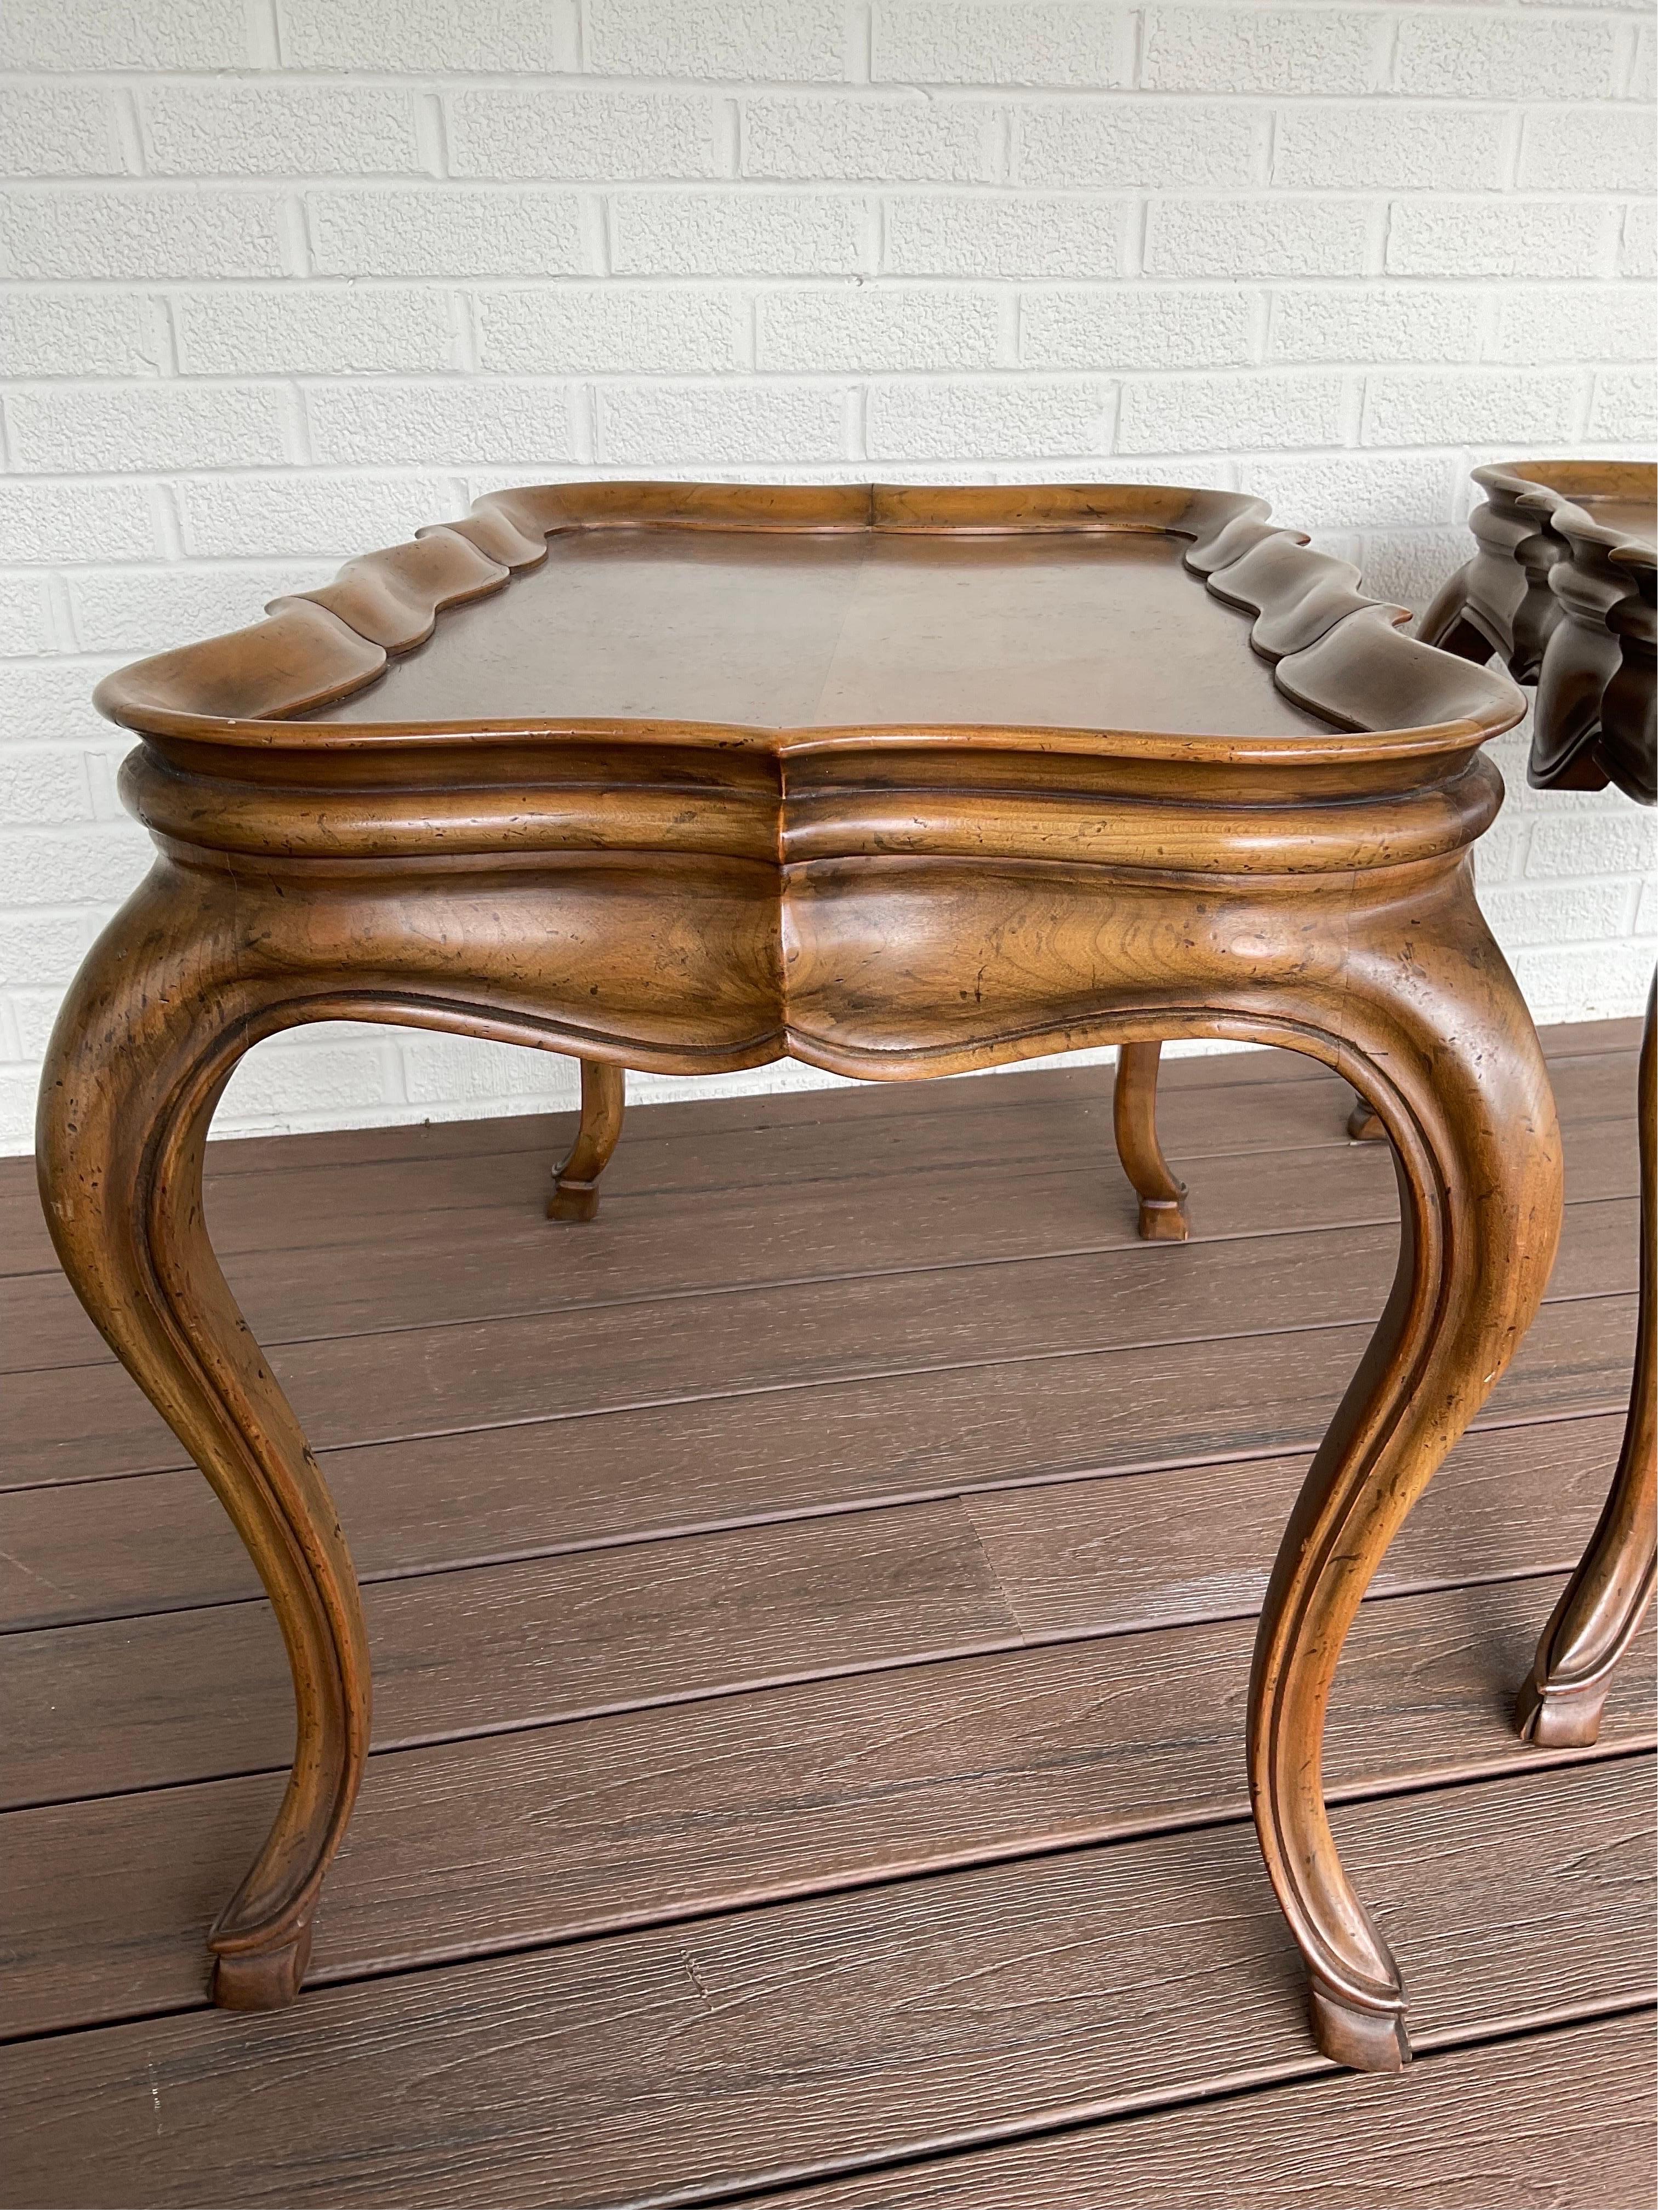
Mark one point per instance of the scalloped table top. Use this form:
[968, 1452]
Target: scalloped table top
[825, 631]
[1152, 621]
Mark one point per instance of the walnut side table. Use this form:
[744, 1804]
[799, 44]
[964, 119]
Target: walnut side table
[901, 782]
[1563, 589]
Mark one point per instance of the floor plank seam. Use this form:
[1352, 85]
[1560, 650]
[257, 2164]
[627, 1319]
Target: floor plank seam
[1428, 2051]
[771, 1283]
[1529, 1763]
[1023, 1640]
[1042, 1478]
[848, 1380]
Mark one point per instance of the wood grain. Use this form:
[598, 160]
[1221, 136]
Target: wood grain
[500, 1492]
[474, 1222]
[1453, 2135]
[180, 1696]
[90, 1422]
[799, 850]
[500, 1842]
[681, 2061]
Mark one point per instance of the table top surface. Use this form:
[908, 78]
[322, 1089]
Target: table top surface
[1150, 623]
[827, 630]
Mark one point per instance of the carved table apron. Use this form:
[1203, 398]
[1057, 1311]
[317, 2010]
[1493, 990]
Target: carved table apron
[878, 889]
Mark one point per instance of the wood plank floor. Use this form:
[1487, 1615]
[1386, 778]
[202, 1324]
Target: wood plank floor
[811, 1610]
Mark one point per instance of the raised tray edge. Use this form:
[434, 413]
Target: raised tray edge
[1334, 649]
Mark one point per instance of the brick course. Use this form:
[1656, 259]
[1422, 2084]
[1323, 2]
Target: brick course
[287, 279]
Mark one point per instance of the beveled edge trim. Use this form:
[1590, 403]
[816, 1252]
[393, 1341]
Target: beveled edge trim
[243, 688]
[1548, 493]
[1584, 532]
[1603, 579]
[1571, 480]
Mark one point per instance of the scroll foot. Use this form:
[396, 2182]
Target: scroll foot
[1373, 2042]
[1556, 1719]
[262, 1981]
[1163, 1221]
[572, 1202]
[575, 1183]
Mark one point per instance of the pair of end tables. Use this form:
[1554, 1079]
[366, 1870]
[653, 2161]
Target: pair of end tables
[899, 781]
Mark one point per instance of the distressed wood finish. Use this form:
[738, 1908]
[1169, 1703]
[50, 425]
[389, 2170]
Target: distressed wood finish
[887, 895]
[1562, 588]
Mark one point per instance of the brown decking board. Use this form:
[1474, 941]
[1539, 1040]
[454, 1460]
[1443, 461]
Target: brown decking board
[669, 1232]
[469, 1497]
[339, 1186]
[827, 1828]
[780, 1337]
[1452, 2134]
[688, 2060]
[177, 1696]
[495, 1843]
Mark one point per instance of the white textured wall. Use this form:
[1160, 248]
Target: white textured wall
[289, 278]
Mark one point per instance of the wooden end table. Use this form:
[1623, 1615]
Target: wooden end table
[902, 782]
[1562, 589]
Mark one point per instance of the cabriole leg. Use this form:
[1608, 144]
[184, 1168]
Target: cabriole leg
[144, 1045]
[1134, 1119]
[1602, 1605]
[575, 1182]
[1444, 1050]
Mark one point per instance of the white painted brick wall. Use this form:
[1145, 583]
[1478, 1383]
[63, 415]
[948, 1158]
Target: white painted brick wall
[287, 278]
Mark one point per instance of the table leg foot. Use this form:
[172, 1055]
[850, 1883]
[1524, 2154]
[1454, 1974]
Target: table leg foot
[575, 1181]
[1438, 1040]
[572, 1202]
[264, 1980]
[1556, 1719]
[1162, 1218]
[1365, 1125]
[1370, 2040]
[148, 1037]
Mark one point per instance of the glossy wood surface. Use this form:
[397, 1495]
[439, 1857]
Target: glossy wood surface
[896, 899]
[718, 626]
